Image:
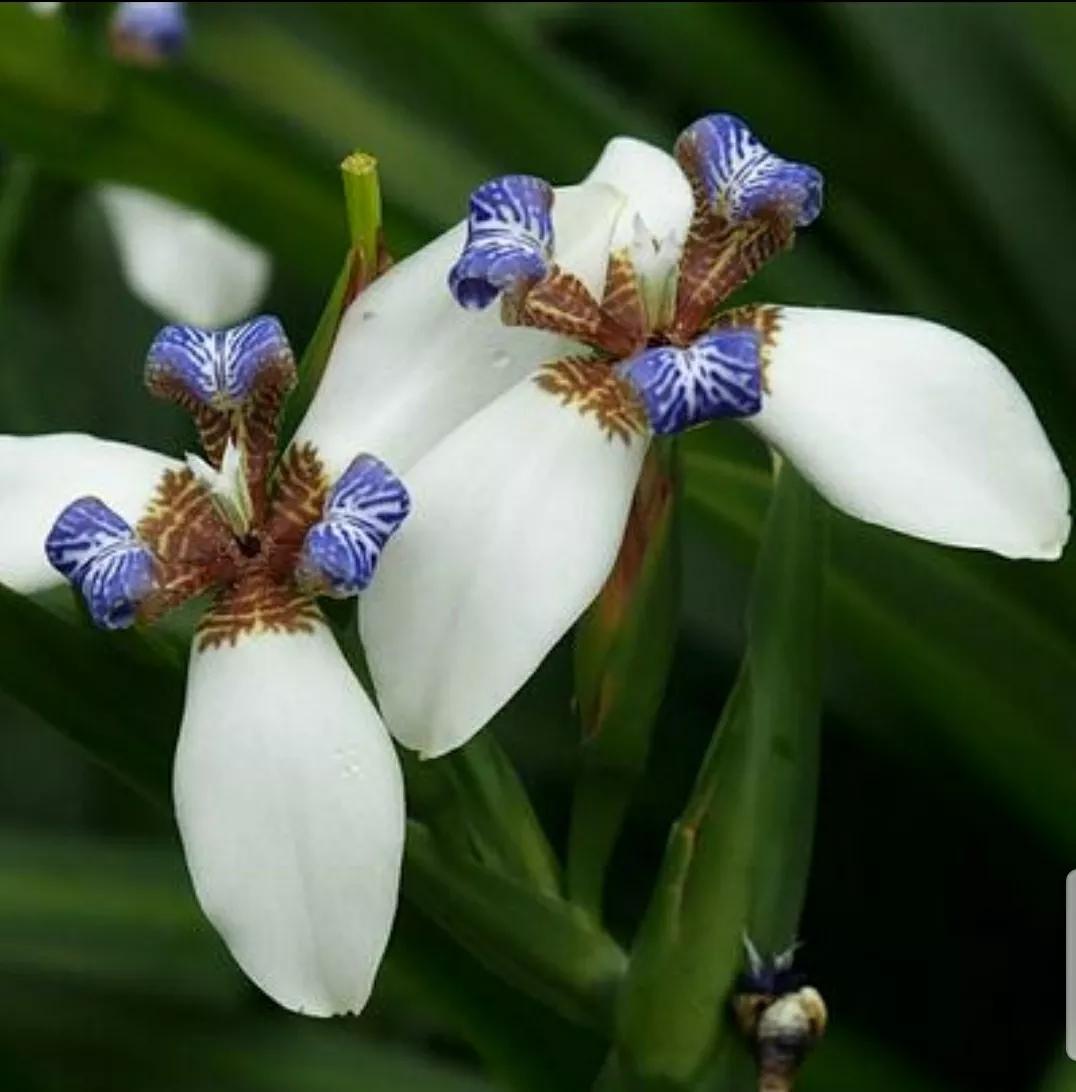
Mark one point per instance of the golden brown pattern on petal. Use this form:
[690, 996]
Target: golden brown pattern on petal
[299, 489]
[257, 603]
[192, 549]
[560, 302]
[718, 258]
[214, 426]
[263, 597]
[180, 523]
[592, 387]
[259, 424]
[624, 326]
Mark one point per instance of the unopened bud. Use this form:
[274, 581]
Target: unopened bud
[780, 1016]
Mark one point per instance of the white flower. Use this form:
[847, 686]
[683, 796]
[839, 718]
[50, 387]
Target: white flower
[184, 265]
[287, 789]
[522, 434]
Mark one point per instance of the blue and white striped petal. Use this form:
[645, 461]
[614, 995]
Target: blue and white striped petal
[218, 368]
[509, 240]
[362, 511]
[149, 31]
[101, 555]
[719, 375]
[742, 178]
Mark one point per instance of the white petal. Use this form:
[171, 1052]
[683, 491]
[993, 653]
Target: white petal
[516, 521]
[409, 364]
[40, 475]
[912, 426]
[181, 263]
[656, 189]
[290, 804]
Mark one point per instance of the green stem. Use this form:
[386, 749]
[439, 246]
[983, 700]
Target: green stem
[737, 859]
[542, 944]
[503, 828]
[623, 651]
[362, 201]
[362, 197]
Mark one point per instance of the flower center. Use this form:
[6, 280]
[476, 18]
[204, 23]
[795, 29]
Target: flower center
[201, 544]
[663, 355]
[266, 541]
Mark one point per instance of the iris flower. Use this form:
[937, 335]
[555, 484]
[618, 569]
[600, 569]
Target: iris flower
[287, 788]
[521, 429]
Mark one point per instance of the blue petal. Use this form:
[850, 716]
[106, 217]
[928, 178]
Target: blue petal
[720, 375]
[217, 367]
[509, 240]
[158, 29]
[743, 178]
[364, 508]
[100, 554]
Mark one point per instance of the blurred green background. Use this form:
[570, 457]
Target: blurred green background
[947, 135]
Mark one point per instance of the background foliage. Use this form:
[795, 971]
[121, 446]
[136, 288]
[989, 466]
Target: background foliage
[945, 823]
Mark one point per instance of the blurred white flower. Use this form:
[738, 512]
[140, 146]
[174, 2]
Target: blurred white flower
[186, 266]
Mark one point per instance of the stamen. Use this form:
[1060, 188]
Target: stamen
[594, 389]
[741, 178]
[227, 488]
[509, 240]
[362, 511]
[655, 261]
[148, 33]
[96, 550]
[719, 375]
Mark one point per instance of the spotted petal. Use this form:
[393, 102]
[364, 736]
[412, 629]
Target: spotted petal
[181, 263]
[290, 805]
[98, 551]
[39, 475]
[509, 240]
[718, 376]
[363, 510]
[915, 427]
[743, 179]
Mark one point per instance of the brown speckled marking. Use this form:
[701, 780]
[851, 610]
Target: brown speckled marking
[718, 256]
[560, 302]
[624, 321]
[257, 602]
[195, 552]
[299, 489]
[262, 596]
[592, 387]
